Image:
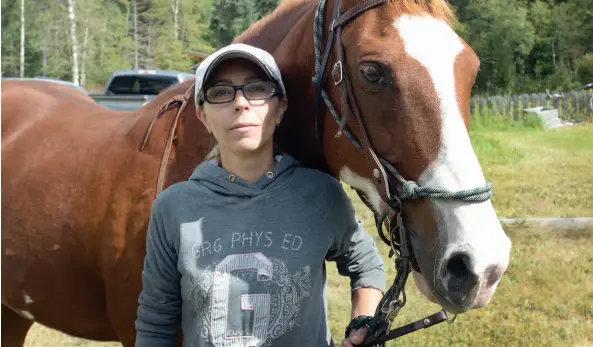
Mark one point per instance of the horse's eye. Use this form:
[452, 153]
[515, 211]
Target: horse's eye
[372, 73]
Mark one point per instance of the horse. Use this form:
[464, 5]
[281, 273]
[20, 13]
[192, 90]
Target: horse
[79, 180]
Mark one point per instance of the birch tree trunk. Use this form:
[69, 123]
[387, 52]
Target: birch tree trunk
[84, 56]
[74, 38]
[149, 50]
[135, 15]
[175, 8]
[22, 74]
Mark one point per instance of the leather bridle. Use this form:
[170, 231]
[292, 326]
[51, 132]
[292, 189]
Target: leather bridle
[342, 80]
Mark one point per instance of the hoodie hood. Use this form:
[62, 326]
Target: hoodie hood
[221, 182]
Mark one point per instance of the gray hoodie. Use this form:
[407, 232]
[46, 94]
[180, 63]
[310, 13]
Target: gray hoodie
[235, 263]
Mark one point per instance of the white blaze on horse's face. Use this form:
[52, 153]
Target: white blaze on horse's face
[472, 244]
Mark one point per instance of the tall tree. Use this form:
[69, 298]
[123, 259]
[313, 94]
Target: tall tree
[175, 11]
[74, 38]
[22, 39]
[264, 7]
[135, 21]
[491, 29]
[230, 18]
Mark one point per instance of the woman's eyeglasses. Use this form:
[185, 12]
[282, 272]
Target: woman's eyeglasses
[221, 93]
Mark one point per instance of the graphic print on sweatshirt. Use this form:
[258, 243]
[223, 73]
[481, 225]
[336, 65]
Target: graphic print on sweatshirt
[247, 299]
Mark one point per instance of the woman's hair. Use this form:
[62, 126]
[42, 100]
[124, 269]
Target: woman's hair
[213, 154]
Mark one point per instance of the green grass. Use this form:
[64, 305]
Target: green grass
[546, 297]
[538, 173]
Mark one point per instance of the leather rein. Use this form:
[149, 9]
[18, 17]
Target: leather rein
[179, 101]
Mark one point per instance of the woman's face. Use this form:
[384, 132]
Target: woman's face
[241, 126]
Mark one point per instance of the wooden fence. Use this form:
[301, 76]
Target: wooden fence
[572, 106]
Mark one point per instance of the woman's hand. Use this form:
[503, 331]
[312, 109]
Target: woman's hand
[364, 303]
[356, 337]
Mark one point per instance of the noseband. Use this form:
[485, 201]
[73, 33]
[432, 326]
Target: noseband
[398, 236]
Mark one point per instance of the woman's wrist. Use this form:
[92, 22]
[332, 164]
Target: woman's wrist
[365, 301]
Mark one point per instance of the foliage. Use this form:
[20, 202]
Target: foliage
[585, 69]
[112, 35]
[527, 46]
[524, 46]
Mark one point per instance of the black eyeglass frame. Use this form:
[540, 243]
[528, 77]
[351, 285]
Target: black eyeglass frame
[275, 92]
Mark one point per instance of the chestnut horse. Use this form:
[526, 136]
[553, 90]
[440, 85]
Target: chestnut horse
[77, 192]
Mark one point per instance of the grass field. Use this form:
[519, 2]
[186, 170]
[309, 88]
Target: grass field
[546, 297]
[538, 173]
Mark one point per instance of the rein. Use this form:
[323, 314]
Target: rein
[398, 236]
[176, 101]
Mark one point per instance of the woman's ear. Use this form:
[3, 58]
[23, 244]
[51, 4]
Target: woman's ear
[282, 107]
[202, 117]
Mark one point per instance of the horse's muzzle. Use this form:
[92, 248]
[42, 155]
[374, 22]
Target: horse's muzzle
[465, 282]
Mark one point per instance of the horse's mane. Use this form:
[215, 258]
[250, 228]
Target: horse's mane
[439, 9]
[290, 11]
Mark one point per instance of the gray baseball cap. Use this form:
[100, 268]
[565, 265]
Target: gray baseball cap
[238, 50]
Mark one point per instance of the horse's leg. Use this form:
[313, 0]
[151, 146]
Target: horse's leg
[122, 288]
[122, 305]
[14, 328]
[121, 310]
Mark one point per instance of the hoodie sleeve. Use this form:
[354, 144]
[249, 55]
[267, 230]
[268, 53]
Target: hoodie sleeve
[159, 310]
[354, 250]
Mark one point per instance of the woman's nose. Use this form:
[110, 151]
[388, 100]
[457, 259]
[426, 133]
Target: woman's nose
[241, 103]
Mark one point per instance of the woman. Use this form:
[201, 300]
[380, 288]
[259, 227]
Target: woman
[235, 255]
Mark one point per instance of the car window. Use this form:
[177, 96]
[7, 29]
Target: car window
[140, 85]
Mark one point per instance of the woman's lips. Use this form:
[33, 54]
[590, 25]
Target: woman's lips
[243, 127]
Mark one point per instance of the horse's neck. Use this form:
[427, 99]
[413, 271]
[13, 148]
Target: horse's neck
[272, 30]
[296, 57]
[288, 35]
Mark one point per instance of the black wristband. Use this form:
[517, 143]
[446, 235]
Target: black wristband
[357, 323]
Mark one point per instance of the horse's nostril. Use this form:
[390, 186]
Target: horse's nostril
[462, 278]
[458, 264]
